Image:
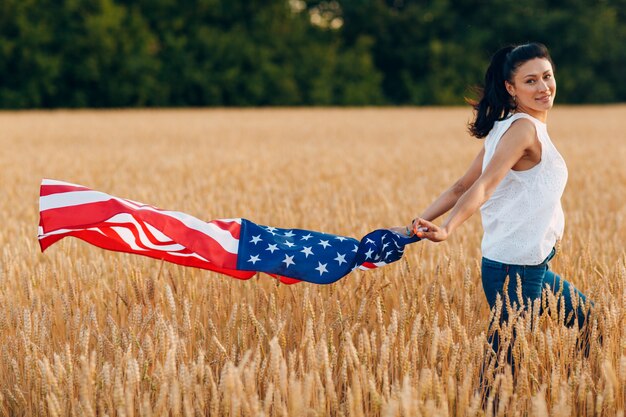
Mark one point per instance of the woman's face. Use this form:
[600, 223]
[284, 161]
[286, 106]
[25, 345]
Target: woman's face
[534, 86]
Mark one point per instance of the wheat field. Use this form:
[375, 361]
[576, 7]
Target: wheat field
[86, 332]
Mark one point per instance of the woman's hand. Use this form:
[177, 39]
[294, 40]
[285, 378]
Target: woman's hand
[427, 230]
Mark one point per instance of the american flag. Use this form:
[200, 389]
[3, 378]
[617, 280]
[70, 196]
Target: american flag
[236, 247]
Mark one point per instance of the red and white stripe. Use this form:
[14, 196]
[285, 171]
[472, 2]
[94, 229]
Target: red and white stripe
[128, 226]
[366, 266]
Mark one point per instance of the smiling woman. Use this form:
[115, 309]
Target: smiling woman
[533, 88]
[518, 79]
[516, 181]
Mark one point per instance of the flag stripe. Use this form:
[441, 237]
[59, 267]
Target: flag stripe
[55, 189]
[222, 252]
[76, 198]
[84, 209]
[98, 212]
[71, 199]
[157, 234]
[143, 234]
[104, 241]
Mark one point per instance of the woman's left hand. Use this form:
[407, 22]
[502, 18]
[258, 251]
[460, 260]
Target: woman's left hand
[427, 230]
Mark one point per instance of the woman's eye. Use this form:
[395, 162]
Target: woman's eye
[530, 81]
[548, 76]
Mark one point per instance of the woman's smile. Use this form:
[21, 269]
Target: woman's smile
[545, 99]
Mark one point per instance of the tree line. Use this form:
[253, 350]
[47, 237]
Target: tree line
[126, 53]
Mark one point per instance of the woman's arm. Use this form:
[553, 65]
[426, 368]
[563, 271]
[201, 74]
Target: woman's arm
[512, 147]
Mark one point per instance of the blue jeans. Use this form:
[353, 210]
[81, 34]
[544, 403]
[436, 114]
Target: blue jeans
[533, 279]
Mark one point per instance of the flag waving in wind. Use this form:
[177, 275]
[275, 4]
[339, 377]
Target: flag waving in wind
[236, 247]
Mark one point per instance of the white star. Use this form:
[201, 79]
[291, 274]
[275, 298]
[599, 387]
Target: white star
[340, 238]
[271, 229]
[288, 261]
[307, 251]
[288, 243]
[254, 259]
[321, 267]
[289, 234]
[385, 245]
[388, 253]
[369, 241]
[341, 259]
[368, 254]
[272, 247]
[324, 243]
[383, 238]
[307, 237]
[256, 239]
[356, 249]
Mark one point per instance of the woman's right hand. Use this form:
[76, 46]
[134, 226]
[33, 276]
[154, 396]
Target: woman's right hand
[426, 230]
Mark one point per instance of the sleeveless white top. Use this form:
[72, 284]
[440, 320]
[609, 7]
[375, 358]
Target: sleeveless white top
[523, 219]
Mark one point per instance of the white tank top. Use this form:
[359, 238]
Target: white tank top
[523, 219]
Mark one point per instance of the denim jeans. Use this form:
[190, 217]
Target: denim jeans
[533, 279]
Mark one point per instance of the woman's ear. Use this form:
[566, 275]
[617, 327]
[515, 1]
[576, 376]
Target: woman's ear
[510, 88]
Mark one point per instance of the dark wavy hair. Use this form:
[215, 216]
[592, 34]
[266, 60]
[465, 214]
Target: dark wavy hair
[495, 102]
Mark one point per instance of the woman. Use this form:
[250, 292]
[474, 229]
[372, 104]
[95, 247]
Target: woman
[516, 181]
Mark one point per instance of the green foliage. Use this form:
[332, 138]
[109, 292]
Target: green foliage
[123, 53]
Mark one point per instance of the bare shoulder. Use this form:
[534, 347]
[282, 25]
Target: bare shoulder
[521, 132]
